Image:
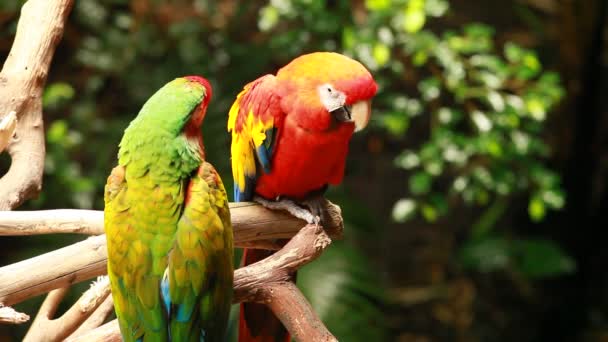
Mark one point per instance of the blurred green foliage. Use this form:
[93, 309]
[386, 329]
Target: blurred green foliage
[470, 111]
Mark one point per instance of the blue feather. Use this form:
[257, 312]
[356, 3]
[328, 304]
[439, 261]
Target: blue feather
[244, 195]
[184, 312]
[164, 292]
[264, 157]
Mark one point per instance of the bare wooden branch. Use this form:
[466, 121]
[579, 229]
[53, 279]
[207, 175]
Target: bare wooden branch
[95, 320]
[266, 282]
[303, 248]
[87, 259]
[9, 315]
[8, 124]
[291, 307]
[106, 333]
[45, 328]
[251, 222]
[22, 82]
[60, 268]
[51, 221]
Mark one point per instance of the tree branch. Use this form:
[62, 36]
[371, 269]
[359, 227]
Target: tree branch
[61, 268]
[9, 315]
[22, 82]
[291, 307]
[267, 282]
[106, 333]
[86, 259]
[95, 320]
[251, 222]
[45, 328]
[8, 124]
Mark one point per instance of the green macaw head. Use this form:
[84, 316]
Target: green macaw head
[168, 128]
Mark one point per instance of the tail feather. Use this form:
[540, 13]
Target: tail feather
[257, 323]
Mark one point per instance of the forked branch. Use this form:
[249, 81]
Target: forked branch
[45, 328]
[22, 81]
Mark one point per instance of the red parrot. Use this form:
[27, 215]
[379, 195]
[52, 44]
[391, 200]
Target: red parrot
[290, 136]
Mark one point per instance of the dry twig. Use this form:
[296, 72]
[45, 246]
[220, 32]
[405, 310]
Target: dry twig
[9, 315]
[22, 81]
[95, 320]
[45, 328]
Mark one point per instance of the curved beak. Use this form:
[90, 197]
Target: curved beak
[358, 113]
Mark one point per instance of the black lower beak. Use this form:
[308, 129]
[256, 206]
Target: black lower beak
[342, 114]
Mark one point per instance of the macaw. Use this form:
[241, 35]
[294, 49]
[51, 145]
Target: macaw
[290, 136]
[169, 236]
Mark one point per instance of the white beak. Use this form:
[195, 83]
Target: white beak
[360, 113]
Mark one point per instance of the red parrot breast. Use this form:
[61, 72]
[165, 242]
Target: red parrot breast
[305, 160]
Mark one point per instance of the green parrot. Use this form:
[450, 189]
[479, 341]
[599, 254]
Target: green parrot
[168, 224]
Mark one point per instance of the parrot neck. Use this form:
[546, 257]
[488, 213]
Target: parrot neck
[193, 135]
[160, 154]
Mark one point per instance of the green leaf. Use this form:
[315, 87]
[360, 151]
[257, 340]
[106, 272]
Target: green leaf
[349, 38]
[536, 108]
[555, 199]
[377, 5]
[420, 183]
[381, 53]
[536, 208]
[541, 258]
[513, 52]
[414, 16]
[56, 93]
[395, 122]
[436, 8]
[57, 132]
[486, 254]
[269, 18]
[429, 212]
[430, 88]
[407, 160]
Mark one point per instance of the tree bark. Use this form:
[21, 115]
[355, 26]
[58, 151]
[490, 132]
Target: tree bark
[22, 81]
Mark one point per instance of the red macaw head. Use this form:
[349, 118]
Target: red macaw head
[322, 89]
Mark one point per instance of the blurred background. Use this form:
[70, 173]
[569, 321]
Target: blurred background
[474, 203]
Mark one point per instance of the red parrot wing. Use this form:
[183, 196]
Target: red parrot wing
[254, 120]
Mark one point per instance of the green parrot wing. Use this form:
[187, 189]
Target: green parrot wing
[197, 285]
[140, 221]
[253, 120]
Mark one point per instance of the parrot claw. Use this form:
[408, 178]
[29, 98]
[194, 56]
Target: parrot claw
[291, 207]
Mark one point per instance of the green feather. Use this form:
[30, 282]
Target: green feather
[152, 230]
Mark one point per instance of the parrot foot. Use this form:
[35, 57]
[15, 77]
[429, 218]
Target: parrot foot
[291, 207]
[317, 206]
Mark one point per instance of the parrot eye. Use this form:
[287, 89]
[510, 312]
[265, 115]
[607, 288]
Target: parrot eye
[331, 98]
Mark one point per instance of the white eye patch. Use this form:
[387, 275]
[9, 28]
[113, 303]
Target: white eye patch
[331, 98]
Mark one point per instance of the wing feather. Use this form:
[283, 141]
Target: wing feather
[200, 267]
[254, 119]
